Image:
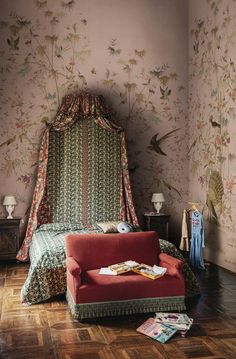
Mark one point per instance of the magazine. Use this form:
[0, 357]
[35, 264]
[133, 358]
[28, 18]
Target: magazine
[179, 321]
[106, 271]
[150, 272]
[157, 331]
[123, 267]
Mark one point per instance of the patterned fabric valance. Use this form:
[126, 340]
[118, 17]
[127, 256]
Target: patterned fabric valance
[83, 170]
[74, 106]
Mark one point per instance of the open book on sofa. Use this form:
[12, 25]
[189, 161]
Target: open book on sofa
[152, 272]
[123, 267]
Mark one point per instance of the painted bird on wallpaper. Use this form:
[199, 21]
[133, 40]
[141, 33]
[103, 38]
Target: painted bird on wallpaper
[165, 93]
[155, 143]
[215, 193]
[68, 4]
[13, 43]
[8, 142]
[214, 123]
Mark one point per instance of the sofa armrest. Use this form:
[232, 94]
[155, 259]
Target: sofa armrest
[174, 266]
[73, 266]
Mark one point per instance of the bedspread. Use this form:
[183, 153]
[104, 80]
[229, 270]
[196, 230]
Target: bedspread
[47, 273]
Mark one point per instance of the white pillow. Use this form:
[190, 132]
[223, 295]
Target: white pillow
[124, 227]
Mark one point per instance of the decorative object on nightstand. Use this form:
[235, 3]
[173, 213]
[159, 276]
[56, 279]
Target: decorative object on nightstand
[9, 202]
[157, 200]
[9, 238]
[158, 222]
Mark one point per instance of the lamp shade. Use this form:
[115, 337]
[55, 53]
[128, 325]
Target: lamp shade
[9, 201]
[158, 197]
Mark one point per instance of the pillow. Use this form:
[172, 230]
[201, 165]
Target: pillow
[108, 227]
[124, 227]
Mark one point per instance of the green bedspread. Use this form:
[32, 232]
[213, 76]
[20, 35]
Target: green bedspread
[47, 273]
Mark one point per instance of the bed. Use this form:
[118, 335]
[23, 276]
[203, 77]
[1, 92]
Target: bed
[47, 273]
[82, 179]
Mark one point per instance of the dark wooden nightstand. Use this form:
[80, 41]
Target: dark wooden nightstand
[9, 237]
[157, 222]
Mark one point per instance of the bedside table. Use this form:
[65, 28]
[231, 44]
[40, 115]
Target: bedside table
[157, 222]
[9, 237]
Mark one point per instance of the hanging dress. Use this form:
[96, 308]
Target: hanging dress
[185, 234]
[197, 240]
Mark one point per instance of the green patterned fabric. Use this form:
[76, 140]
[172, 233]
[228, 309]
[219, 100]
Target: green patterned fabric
[83, 173]
[83, 170]
[124, 307]
[191, 284]
[64, 174]
[47, 273]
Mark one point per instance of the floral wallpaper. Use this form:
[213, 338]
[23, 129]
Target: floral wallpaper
[212, 117]
[177, 107]
[114, 48]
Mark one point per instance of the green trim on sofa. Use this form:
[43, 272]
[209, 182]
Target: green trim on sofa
[124, 307]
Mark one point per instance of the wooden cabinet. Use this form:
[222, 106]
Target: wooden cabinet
[157, 222]
[9, 238]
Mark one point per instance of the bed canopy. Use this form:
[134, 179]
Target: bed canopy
[83, 171]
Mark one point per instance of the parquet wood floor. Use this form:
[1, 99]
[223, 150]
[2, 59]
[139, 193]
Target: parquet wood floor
[47, 330]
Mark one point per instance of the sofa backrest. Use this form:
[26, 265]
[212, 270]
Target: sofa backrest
[93, 251]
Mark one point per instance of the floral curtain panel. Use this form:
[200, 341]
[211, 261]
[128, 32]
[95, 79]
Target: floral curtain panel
[91, 113]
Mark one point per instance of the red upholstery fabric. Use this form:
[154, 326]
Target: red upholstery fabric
[174, 266]
[94, 251]
[86, 254]
[166, 259]
[99, 288]
[73, 266]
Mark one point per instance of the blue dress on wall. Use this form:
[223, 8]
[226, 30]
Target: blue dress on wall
[197, 240]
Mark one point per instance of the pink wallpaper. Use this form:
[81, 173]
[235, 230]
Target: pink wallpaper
[178, 108]
[132, 52]
[212, 118]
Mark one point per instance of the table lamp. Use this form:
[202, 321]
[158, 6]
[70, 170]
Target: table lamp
[9, 202]
[157, 200]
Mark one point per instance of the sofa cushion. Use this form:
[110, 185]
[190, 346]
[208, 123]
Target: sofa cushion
[96, 287]
[93, 251]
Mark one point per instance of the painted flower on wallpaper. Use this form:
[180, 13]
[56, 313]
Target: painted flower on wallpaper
[39, 53]
[214, 69]
[147, 102]
[48, 61]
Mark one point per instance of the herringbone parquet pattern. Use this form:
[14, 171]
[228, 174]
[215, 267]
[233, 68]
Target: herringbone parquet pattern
[47, 330]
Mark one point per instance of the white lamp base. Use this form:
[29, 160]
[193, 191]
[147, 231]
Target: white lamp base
[157, 206]
[9, 209]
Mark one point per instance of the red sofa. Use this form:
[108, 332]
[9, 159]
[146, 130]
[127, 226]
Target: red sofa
[90, 294]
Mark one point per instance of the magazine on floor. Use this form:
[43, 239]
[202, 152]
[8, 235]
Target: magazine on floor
[179, 321]
[158, 331]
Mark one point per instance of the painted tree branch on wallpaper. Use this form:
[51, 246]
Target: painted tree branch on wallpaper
[212, 105]
[146, 94]
[49, 54]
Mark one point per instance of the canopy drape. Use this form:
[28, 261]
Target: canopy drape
[83, 172]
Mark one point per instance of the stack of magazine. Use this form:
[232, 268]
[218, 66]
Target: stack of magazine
[165, 325]
[152, 272]
[181, 322]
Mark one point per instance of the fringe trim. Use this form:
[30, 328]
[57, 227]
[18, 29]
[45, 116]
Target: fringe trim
[124, 307]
